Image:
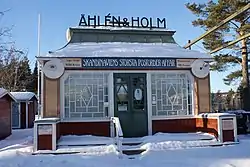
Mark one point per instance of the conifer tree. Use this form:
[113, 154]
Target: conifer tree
[35, 79]
[209, 15]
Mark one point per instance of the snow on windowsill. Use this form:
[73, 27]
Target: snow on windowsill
[104, 119]
[173, 117]
[215, 115]
[47, 120]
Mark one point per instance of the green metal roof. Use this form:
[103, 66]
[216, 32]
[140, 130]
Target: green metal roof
[139, 35]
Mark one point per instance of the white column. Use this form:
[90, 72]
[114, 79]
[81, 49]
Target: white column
[41, 92]
[19, 114]
[111, 94]
[111, 100]
[235, 129]
[220, 132]
[149, 102]
[27, 114]
[54, 137]
[35, 137]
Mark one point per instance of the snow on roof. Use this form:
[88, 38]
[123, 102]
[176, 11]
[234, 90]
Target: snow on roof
[119, 49]
[23, 96]
[121, 28]
[4, 92]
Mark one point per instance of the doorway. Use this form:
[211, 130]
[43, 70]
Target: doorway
[130, 99]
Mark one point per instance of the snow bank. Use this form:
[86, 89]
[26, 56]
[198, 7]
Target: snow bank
[84, 140]
[20, 138]
[173, 145]
[227, 156]
[161, 137]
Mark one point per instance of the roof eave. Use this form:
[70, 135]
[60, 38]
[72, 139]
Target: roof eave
[10, 95]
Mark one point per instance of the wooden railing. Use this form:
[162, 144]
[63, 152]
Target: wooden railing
[118, 134]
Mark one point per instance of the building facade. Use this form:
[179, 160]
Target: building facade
[140, 76]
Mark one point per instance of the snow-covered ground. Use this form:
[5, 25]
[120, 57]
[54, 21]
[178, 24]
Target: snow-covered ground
[16, 151]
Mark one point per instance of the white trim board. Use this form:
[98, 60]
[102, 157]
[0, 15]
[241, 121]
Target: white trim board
[149, 103]
[27, 114]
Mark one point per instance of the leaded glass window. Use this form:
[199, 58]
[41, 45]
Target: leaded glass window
[171, 94]
[85, 95]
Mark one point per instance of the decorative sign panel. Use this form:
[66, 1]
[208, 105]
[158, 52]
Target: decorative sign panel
[124, 63]
[72, 62]
[184, 63]
[118, 21]
[227, 124]
[44, 130]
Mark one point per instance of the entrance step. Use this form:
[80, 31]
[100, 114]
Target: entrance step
[132, 149]
[132, 146]
[74, 140]
[132, 141]
[133, 152]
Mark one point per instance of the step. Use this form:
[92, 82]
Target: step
[132, 144]
[133, 147]
[132, 140]
[74, 140]
[133, 151]
[82, 144]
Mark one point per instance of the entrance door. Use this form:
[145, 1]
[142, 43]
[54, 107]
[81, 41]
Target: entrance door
[131, 103]
[15, 115]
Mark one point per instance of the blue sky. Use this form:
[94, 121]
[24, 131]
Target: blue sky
[57, 16]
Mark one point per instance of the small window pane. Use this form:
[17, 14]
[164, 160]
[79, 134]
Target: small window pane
[66, 112]
[86, 115]
[98, 115]
[66, 101]
[154, 110]
[75, 115]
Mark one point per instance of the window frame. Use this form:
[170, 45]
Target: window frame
[62, 103]
[111, 100]
[191, 79]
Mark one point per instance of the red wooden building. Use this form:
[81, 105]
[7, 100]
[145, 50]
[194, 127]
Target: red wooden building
[6, 100]
[24, 110]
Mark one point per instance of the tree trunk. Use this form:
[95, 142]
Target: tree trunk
[245, 77]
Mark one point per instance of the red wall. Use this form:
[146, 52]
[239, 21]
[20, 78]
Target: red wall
[5, 116]
[185, 125]
[32, 106]
[207, 125]
[167, 126]
[174, 125]
[84, 128]
[23, 115]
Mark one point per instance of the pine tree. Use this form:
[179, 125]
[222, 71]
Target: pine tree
[209, 15]
[229, 99]
[24, 76]
[35, 79]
